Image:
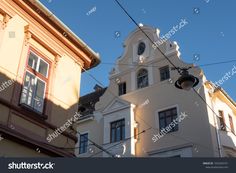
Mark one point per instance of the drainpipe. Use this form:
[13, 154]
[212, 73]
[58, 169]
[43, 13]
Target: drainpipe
[216, 126]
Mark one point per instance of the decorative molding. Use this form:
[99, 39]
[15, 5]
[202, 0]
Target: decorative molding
[28, 35]
[116, 105]
[56, 60]
[6, 19]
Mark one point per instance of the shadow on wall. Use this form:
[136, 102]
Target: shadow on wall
[27, 120]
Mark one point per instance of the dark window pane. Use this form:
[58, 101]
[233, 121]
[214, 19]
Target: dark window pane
[142, 78]
[166, 118]
[43, 68]
[39, 96]
[174, 111]
[113, 132]
[168, 113]
[32, 61]
[164, 73]
[117, 130]
[118, 134]
[141, 48]
[83, 143]
[162, 123]
[222, 121]
[122, 88]
[28, 89]
[161, 114]
[123, 133]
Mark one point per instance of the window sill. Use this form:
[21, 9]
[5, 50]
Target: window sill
[32, 113]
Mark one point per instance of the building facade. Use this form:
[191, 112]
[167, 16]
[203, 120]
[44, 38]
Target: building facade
[41, 61]
[142, 114]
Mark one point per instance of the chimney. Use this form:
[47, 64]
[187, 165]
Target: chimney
[97, 87]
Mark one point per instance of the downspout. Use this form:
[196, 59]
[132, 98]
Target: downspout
[216, 127]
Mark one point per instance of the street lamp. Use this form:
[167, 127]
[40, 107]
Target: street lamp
[186, 81]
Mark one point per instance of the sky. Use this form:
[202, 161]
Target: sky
[207, 38]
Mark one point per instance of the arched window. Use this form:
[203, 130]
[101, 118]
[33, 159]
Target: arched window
[142, 78]
[141, 48]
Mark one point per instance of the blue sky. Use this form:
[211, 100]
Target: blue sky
[210, 32]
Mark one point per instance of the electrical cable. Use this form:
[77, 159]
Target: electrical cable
[105, 150]
[151, 127]
[149, 39]
[165, 56]
[163, 53]
[145, 34]
[144, 65]
[122, 141]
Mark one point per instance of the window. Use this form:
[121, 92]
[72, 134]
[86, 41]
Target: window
[122, 88]
[166, 117]
[222, 121]
[83, 143]
[141, 48]
[118, 130]
[231, 124]
[142, 78]
[34, 86]
[164, 73]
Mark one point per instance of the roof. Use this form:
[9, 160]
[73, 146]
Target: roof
[87, 102]
[57, 24]
[223, 92]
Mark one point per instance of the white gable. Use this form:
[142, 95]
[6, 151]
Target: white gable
[115, 105]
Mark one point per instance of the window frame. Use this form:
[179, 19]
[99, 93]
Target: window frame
[38, 64]
[122, 88]
[38, 76]
[85, 143]
[142, 77]
[143, 46]
[163, 68]
[172, 117]
[231, 123]
[122, 121]
[222, 120]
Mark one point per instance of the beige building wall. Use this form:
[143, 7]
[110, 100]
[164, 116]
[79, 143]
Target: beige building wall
[28, 26]
[196, 135]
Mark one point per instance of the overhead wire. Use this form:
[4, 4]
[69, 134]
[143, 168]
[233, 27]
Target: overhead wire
[163, 53]
[150, 65]
[150, 127]
[159, 50]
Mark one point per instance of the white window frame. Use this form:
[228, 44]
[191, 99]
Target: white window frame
[38, 63]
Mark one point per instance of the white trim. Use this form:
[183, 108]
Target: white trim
[150, 76]
[38, 63]
[78, 136]
[124, 105]
[133, 79]
[182, 150]
[162, 109]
